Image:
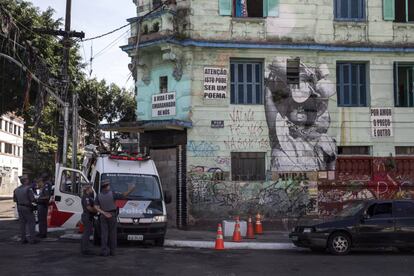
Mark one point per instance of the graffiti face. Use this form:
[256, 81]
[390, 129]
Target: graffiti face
[298, 119]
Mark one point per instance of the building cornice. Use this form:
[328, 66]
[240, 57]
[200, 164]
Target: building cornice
[362, 48]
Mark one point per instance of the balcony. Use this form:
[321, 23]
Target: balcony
[169, 21]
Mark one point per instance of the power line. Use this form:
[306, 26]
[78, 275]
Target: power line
[108, 33]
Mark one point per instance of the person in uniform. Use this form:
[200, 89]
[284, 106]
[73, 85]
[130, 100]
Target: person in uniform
[24, 198]
[105, 204]
[42, 206]
[89, 211]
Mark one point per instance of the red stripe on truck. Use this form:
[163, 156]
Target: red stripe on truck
[120, 203]
[56, 218]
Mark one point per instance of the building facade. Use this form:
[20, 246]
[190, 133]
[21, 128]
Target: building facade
[11, 152]
[290, 108]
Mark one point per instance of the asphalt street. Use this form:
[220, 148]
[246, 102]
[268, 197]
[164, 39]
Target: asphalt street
[62, 257]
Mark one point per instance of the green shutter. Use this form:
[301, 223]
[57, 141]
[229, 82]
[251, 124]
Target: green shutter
[389, 10]
[270, 8]
[225, 7]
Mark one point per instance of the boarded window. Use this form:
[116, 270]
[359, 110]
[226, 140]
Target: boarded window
[293, 71]
[247, 166]
[400, 150]
[404, 85]
[246, 82]
[351, 84]
[354, 150]
[164, 84]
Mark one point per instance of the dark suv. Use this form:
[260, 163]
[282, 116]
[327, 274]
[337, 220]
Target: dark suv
[385, 223]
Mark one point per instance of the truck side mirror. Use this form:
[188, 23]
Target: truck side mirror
[167, 197]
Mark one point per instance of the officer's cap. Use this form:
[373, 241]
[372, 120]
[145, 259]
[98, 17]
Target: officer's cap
[23, 177]
[105, 183]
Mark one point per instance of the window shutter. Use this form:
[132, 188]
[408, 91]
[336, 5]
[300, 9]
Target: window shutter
[270, 8]
[389, 10]
[225, 7]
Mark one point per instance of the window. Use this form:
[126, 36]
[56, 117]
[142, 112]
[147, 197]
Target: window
[351, 84]
[1, 147]
[164, 84]
[249, 8]
[404, 85]
[409, 150]
[1, 124]
[19, 131]
[293, 71]
[15, 130]
[404, 209]
[247, 166]
[8, 148]
[349, 9]
[10, 127]
[380, 210]
[404, 10]
[72, 182]
[246, 82]
[354, 150]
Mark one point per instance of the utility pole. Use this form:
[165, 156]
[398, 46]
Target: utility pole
[67, 34]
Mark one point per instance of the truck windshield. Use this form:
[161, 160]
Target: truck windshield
[146, 186]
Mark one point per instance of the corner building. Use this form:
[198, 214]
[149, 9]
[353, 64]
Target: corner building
[291, 108]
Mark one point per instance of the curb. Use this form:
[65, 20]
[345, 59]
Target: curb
[231, 245]
[211, 244]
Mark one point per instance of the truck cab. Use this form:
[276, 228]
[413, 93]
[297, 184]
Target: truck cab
[142, 214]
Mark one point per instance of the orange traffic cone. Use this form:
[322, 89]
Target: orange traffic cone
[219, 239]
[250, 231]
[258, 227]
[236, 234]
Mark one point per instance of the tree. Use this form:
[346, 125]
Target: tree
[42, 55]
[102, 102]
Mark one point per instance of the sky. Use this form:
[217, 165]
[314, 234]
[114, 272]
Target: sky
[95, 17]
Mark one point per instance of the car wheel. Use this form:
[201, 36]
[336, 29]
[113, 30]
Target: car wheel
[339, 244]
[159, 242]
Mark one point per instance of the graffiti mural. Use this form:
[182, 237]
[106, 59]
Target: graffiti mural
[298, 118]
[211, 196]
[202, 148]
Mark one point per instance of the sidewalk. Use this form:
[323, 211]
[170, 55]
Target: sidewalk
[270, 240]
[273, 240]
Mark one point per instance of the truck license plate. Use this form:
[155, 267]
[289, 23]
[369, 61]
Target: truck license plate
[135, 237]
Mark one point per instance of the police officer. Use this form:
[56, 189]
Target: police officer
[87, 218]
[24, 197]
[42, 206]
[105, 204]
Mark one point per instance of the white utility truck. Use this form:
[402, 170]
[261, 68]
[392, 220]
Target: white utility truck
[142, 214]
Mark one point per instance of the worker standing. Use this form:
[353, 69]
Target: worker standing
[24, 198]
[42, 206]
[89, 212]
[105, 204]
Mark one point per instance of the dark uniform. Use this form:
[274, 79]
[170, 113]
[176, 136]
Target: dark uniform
[24, 197]
[87, 221]
[42, 207]
[106, 201]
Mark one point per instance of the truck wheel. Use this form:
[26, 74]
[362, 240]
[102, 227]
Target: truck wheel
[339, 244]
[159, 242]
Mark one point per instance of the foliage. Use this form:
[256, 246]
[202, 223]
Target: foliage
[42, 54]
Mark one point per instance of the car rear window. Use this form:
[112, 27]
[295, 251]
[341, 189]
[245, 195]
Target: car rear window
[404, 209]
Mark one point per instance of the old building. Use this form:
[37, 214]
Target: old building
[289, 108]
[11, 152]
